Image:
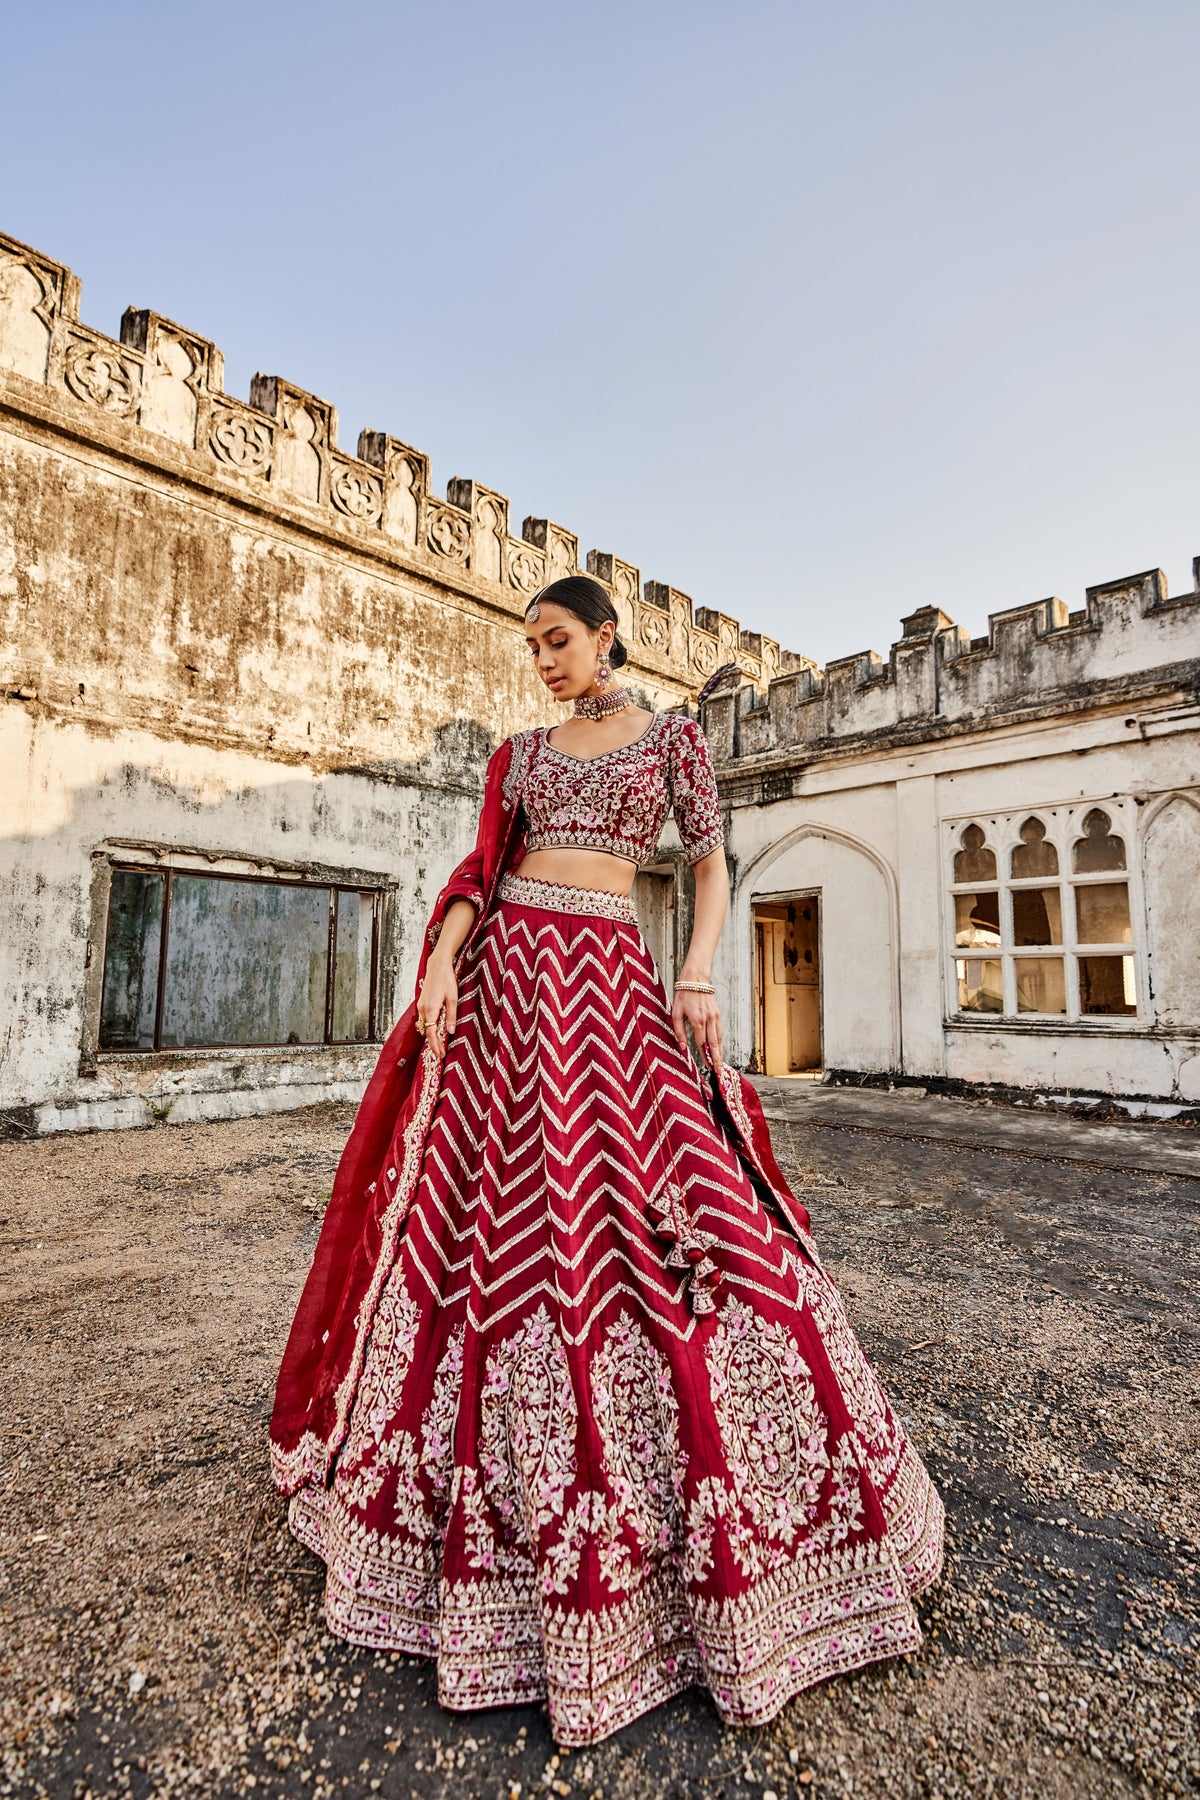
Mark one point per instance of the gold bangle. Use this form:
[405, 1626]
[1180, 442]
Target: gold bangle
[694, 987]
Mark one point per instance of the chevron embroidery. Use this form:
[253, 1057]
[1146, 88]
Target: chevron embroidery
[613, 1433]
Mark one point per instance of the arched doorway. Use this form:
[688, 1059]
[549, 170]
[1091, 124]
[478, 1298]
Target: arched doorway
[787, 985]
[847, 1000]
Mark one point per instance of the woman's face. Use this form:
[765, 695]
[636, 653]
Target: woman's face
[565, 651]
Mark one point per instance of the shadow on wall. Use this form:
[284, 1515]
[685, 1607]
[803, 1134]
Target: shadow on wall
[394, 825]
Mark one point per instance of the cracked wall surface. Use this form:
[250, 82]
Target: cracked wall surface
[227, 643]
[223, 637]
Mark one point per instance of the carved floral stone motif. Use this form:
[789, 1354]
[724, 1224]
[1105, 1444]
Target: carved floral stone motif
[297, 459]
[655, 630]
[524, 571]
[489, 523]
[561, 546]
[101, 377]
[625, 583]
[704, 655]
[563, 551]
[448, 533]
[241, 441]
[357, 494]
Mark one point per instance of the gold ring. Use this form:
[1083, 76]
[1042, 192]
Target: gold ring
[421, 1027]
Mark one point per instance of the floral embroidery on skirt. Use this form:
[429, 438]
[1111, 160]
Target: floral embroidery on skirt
[583, 1463]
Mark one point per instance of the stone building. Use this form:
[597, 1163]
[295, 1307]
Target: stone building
[249, 683]
[978, 862]
[249, 686]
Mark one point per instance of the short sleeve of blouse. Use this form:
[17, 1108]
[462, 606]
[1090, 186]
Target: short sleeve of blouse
[694, 800]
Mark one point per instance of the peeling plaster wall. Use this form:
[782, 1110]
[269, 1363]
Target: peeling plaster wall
[70, 793]
[221, 633]
[124, 602]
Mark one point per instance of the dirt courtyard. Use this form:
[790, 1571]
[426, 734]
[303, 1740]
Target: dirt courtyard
[1026, 1287]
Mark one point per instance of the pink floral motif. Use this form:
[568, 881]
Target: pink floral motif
[618, 801]
[527, 1436]
[437, 1450]
[881, 1441]
[637, 1416]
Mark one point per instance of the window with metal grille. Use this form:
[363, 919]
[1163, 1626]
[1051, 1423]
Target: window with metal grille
[193, 960]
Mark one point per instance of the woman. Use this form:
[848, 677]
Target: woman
[569, 1402]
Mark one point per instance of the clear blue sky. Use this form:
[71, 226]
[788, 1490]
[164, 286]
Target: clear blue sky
[820, 312]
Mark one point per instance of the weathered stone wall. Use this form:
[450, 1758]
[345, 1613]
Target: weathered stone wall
[221, 636]
[221, 569]
[227, 644]
[1131, 638]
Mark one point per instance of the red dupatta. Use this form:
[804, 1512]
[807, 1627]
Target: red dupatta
[361, 1229]
[378, 1170]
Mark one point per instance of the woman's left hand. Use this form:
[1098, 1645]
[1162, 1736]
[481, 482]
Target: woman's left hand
[702, 1013]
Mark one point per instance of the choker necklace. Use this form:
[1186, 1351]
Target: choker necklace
[598, 706]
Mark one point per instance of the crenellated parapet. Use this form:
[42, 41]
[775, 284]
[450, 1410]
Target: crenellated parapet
[1037, 660]
[161, 386]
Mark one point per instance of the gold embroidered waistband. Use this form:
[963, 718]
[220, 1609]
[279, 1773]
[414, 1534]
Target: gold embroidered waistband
[558, 896]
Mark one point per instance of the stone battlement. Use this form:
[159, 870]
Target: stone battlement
[163, 384]
[1040, 659]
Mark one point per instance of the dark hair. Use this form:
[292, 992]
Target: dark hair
[586, 598]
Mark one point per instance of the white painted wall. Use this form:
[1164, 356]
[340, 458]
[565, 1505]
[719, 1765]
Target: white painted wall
[872, 835]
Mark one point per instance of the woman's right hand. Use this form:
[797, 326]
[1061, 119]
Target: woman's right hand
[438, 996]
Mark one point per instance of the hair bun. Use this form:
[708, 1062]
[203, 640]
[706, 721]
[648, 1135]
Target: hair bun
[618, 655]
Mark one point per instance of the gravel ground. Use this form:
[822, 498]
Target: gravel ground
[1031, 1311]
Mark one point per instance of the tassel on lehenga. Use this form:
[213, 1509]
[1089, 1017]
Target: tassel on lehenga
[689, 1248]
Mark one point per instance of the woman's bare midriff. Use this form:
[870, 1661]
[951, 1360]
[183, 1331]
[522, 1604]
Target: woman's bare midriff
[580, 868]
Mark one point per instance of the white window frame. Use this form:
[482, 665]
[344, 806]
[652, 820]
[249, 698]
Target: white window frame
[1063, 822]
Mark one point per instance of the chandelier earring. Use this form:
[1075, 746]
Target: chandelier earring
[612, 697]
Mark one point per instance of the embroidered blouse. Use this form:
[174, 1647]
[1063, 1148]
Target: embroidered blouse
[618, 801]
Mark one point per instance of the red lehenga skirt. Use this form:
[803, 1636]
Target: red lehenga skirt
[613, 1433]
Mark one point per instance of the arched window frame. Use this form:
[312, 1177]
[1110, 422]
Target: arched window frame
[1063, 825]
